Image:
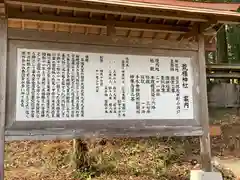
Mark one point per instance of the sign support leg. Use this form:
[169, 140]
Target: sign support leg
[3, 66]
[205, 138]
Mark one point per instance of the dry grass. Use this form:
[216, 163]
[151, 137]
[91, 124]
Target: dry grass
[37, 160]
[117, 159]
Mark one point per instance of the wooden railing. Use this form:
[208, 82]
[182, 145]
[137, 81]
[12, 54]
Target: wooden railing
[223, 71]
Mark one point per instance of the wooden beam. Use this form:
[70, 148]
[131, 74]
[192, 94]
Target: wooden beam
[194, 31]
[224, 75]
[149, 20]
[86, 30]
[101, 31]
[65, 37]
[110, 9]
[120, 17]
[204, 121]
[155, 35]
[90, 15]
[142, 34]
[167, 36]
[180, 37]
[128, 33]
[2, 10]
[22, 8]
[97, 23]
[3, 76]
[111, 30]
[223, 67]
[74, 13]
[210, 46]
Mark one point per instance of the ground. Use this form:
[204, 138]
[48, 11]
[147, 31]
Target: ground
[120, 159]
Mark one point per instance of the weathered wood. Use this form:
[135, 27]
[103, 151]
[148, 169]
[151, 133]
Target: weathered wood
[205, 138]
[3, 66]
[224, 75]
[165, 11]
[80, 159]
[223, 95]
[109, 9]
[97, 23]
[223, 67]
[63, 37]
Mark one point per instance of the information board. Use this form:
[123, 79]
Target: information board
[64, 85]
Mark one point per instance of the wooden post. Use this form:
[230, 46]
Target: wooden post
[3, 71]
[205, 138]
[80, 157]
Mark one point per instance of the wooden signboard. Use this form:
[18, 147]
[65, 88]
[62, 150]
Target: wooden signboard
[111, 91]
[77, 69]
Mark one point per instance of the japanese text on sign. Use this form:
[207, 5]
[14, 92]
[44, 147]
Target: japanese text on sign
[59, 85]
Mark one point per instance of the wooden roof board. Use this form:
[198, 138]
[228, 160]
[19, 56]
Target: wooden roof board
[190, 4]
[166, 9]
[215, 9]
[63, 16]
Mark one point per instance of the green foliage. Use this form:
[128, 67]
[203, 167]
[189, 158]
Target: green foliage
[228, 39]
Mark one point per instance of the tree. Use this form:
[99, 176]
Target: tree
[228, 39]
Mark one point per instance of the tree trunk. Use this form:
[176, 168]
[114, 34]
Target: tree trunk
[80, 159]
[222, 48]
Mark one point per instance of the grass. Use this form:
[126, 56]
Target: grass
[113, 159]
[117, 159]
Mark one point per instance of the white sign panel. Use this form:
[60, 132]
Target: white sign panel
[60, 85]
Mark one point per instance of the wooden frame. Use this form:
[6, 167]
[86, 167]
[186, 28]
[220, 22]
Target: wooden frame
[65, 129]
[205, 138]
[3, 76]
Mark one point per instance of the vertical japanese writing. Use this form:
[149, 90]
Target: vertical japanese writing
[172, 65]
[167, 83]
[154, 64]
[82, 84]
[64, 85]
[73, 63]
[132, 87]
[58, 86]
[153, 95]
[178, 95]
[158, 87]
[163, 84]
[173, 84]
[106, 99]
[28, 85]
[23, 79]
[97, 80]
[137, 80]
[33, 81]
[101, 77]
[101, 59]
[38, 87]
[53, 85]
[43, 83]
[186, 102]
[114, 99]
[77, 86]
[48, 87]
[123, 95]
[68, 82]
[184, 75]
[176, 65]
